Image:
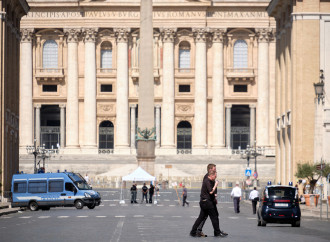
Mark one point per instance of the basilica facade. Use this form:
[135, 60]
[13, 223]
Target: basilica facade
[214, 77]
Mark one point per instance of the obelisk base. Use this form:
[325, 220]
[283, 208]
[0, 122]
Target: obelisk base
[146, 155]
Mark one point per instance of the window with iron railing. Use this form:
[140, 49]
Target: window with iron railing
[106, 55]
[184, 57]
[50, 55]
[240, 55]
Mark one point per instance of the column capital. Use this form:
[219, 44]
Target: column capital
[122, 34]
[38, 106]
[218, 35]
[200, 34]
[62, 105]
[227, 105]
[72, 35]
[158, 106]
[26, 35]
[90, 34]
[168, 34]
[133, 105]
[252, 105]
[264, 34]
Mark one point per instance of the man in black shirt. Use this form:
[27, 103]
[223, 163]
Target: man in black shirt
[133, 193]
[144, 193]
[151, 192]
[208, 206]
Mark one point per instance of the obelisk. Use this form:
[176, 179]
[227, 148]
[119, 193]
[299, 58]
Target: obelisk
[146, 127]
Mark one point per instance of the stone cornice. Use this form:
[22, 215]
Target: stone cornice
[122, 34]
[26, 35]
[200, 34]
[168, 34]
[90, 34]
[218, 35]
[72, 35]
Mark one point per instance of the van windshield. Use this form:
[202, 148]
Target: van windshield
[281, 192]
[79, 181]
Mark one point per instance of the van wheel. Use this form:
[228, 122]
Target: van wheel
[79, 204]
[91, 206]
[33, 206]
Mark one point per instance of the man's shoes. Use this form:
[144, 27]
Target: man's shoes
[193, 234]
[222, 234]
[201, 234]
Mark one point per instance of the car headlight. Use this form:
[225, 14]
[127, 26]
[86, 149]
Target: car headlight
[87, 195]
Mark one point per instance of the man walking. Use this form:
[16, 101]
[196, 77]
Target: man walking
[144, 193]
[208, 206]
[236, 193]
[151, 192]
[254, 197]
[184, 196]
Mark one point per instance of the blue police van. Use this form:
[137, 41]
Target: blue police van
[46, 190]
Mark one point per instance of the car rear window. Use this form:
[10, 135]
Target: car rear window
[282, 192]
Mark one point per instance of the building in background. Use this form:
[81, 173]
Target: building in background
[214, 77]
[11, 13]
[302, 51]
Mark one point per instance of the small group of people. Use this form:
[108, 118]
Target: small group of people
[145, 191]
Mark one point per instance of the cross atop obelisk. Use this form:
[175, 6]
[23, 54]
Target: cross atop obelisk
[146, 127]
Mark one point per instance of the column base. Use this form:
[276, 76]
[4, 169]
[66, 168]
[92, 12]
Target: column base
[146, 155]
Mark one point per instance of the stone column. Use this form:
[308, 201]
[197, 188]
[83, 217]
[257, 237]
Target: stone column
[200, 122]
[263, 88]
[90, 89]
[133, 125]
[62, 125]
[72, 107]
[217, 89]
[252, 124]
[158, 125]
[26, 106]
[37, 124]
[122, 88]
[228, 125]
[168, 112]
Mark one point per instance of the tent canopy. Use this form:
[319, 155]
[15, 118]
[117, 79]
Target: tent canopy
[139, 175]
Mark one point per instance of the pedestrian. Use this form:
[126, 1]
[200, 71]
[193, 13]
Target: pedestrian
[144, 193]
[236, 194]
[184, 196]
[208, 206]
[86, 178]
[151, 192]
[133, 193]
[254, 197]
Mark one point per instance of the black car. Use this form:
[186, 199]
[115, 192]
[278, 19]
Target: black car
[279, 204]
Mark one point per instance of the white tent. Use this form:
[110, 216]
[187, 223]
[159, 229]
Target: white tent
[138, 175]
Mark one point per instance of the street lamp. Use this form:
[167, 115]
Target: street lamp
[37, 150]
[252, 152]
[319, 87]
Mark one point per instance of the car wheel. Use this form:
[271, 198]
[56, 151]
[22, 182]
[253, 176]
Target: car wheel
[33, 206]
[79, 204]
[296, 224]
[91, 206]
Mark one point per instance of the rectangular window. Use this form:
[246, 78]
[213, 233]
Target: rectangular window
[49, 88]
[106, 88]
[240, 88]
[37, 186]
[55, 186]
[184, 88]
[20, 187]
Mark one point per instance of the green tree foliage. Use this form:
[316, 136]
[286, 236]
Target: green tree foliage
[310, 172]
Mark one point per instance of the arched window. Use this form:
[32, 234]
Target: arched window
[184, 56]
[50, 54]
[106, 135]
[184, 137]
[240, 54]
[106, 55]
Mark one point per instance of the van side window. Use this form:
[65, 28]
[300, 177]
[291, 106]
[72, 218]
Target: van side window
[37, 186]
[55, 186]
[69, 187]
[20, 187]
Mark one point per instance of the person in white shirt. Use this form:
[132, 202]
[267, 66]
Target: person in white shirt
[236, 194]
[86, 178]
[254, 197]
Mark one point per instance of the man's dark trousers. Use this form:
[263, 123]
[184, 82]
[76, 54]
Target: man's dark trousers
[254, 206]
[236, 204]
[208, 208]
[145, 196]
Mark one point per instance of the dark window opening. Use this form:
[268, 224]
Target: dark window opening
[55, 186]
[184, 88]
[49, 88]
[38, 187]
[240, 88]
[20, 187]
[106, 88]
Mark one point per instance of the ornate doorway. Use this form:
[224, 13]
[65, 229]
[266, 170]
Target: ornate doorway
[106, 137]
[184, 132]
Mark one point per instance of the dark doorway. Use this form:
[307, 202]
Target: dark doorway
[50, 126]
[240, 126]
[184, 137]
[106, 135]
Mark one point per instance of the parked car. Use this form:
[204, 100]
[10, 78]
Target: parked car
[279, 204]
[47, 190]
